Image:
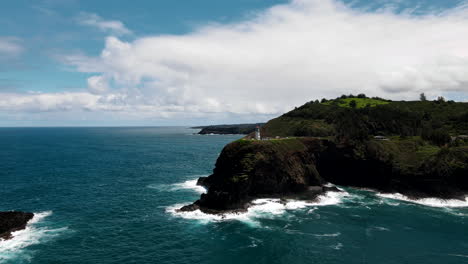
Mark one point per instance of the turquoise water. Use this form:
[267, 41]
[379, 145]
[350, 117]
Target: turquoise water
[106, 195]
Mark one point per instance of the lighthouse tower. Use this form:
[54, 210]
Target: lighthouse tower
[257, 133]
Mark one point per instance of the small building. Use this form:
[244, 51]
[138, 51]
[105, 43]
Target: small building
[460, 137]
[380, 138]
[257, 133]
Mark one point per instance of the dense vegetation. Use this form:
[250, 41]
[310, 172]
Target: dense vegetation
[356, 118]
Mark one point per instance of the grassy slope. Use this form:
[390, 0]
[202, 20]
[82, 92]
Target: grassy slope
[317, 119]
[360, 102]
[407, 153]
[254, 151]
[304, 126]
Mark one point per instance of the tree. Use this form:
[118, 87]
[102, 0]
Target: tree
[439, 137]
[353, 104]
[422, 97]
[350, 126]
[362, 96]
[441, 99]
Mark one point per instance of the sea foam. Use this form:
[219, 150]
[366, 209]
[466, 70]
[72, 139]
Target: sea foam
[433, 202]
[16, 248]
[265, 208]
[186, 185]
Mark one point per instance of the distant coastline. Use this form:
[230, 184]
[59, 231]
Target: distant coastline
[233, 129]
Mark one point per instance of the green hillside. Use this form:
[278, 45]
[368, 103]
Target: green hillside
[361, 118]
[358, 102]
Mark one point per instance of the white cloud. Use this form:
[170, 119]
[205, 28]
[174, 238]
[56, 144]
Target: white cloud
[98, 84]
[285, 56]
[44, 102]
[10, 46]
[114, 27]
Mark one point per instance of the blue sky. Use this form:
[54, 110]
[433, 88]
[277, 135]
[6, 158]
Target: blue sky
[48, 29]
[53, 70]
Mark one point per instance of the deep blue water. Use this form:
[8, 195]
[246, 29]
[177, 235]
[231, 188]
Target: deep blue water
[104, 195]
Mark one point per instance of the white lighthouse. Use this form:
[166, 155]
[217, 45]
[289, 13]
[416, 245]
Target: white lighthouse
[257, 133]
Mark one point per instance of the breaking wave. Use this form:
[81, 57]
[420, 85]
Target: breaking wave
[186, 185]
[433, 202]
[260, 208]
[34, 233]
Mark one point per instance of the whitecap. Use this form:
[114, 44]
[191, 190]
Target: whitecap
[254, 242]
[458, 255]
[266, 208]
[16, 248]
[433, 202]
[186, 185]
[328, 235]
[337, 246]
[380, 228]
[205, 218]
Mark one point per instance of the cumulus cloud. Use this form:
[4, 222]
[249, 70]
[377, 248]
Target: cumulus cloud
[98, 84]
[281, 58]
[10, 46]
[114, 27]
[292, 53]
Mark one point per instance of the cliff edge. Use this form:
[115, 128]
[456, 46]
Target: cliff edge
[299, 168]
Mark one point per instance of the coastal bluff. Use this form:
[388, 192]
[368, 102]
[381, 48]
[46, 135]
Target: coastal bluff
[416, 148]
[300, 168]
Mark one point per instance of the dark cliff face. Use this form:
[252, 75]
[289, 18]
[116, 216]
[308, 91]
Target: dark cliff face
[443, 176]
[13, 221]
[249, 169]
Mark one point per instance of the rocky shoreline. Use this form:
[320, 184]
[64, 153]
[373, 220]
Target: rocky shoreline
[310, 195]
[300, 169]
[13, 221]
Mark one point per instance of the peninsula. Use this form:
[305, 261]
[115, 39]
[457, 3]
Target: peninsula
[240, 129]
[417, 148]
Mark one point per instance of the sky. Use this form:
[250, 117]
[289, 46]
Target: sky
[173, 62]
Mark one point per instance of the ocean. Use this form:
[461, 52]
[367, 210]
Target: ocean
[108, 195]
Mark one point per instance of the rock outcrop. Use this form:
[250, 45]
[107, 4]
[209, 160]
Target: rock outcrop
[246, 170]
[13, 221]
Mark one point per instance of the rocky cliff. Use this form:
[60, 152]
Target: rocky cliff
[418, 148]
[299, 168]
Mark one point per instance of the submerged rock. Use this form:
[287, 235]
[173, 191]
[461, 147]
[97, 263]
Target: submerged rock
[13, 221]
